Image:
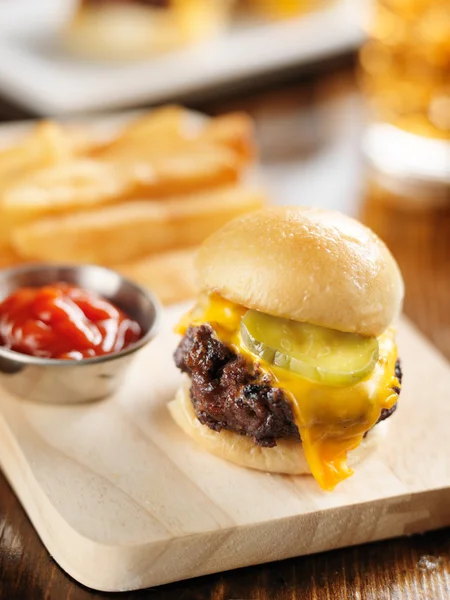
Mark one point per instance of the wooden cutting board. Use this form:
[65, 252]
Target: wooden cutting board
[124, 500]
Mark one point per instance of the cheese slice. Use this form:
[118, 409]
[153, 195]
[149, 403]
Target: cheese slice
[332, 420]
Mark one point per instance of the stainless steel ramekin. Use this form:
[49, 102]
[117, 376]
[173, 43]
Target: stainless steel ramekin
[74, 381]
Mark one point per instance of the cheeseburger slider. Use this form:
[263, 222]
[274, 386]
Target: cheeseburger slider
[290, 351]
[282, 9]
[130, 29]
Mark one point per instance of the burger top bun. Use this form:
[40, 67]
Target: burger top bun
[306, 264]
[130, 30]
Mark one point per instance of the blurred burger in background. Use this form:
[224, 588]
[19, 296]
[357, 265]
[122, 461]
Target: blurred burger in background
[280, 9]
[131, 29]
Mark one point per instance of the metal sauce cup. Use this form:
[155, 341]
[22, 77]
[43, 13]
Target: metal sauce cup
[74, 381]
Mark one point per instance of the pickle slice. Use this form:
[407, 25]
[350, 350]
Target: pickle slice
[316, 353]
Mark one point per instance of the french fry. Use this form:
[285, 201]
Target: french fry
[155, 133]
[66, 187]
[167, 131]
[171, 275]
[234, 130]
[168, 120]
[202, 167]
[46, 145]
[124, 232]
[88, 140]
[145, 150]
[70, 186]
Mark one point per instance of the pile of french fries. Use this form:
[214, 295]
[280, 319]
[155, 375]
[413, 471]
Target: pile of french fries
[139, 200]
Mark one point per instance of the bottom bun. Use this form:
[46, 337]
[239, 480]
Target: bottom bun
[286, 457]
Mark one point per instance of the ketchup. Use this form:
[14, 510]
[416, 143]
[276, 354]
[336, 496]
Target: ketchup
[64, 321]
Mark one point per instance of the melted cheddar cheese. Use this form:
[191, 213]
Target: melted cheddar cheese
[332, 420]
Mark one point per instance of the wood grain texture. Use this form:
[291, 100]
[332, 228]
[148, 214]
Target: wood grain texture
[416, 568]
[123, 500]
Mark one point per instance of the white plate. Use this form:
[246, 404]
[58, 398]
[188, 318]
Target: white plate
[36, 73]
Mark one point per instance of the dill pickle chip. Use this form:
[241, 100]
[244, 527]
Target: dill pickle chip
[319, 354]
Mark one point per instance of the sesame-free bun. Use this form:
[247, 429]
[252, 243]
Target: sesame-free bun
[119, 30]
[126, 30]
[286, 457]
[306, 264]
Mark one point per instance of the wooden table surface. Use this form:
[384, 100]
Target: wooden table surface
[309, 131]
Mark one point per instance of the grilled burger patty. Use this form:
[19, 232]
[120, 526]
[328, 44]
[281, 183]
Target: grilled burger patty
[228, 393]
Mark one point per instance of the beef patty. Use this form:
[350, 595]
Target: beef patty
[228, 393]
